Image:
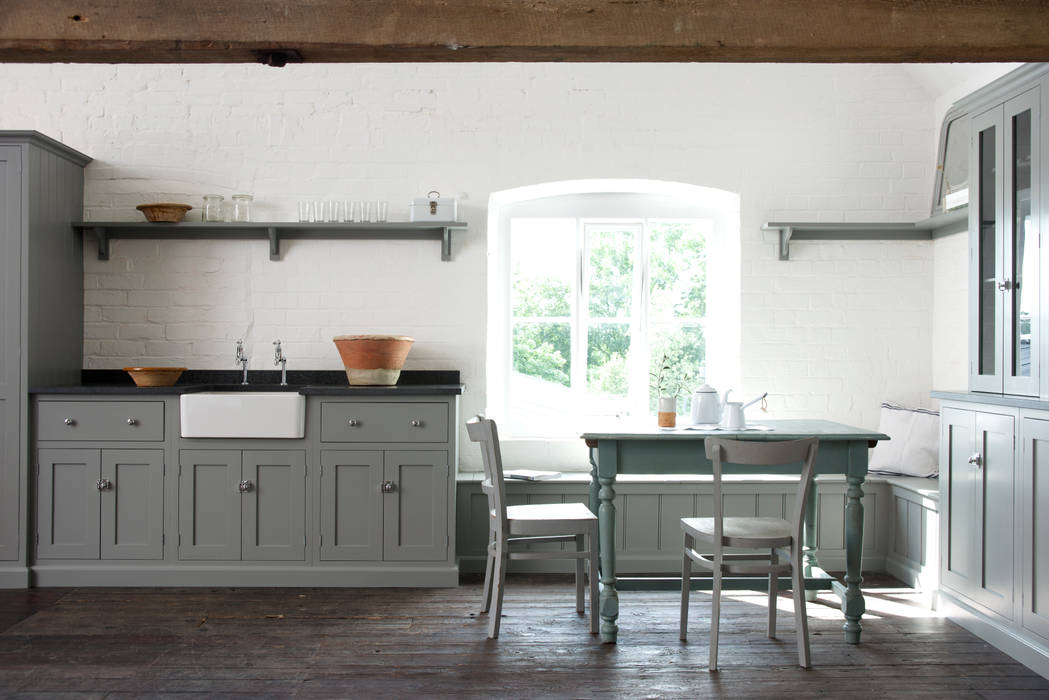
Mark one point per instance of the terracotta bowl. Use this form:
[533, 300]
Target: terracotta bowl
[155, 376]
[373, 359]
[164, 212]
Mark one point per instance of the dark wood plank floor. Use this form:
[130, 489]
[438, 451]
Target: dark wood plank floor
[364, 643]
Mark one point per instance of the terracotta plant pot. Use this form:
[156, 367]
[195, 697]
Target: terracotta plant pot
[373, 359]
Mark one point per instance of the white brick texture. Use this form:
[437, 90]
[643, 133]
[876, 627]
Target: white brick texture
[830, 334]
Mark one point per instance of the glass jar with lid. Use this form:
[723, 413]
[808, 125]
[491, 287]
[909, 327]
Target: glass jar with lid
[242, 207]
[212, 207]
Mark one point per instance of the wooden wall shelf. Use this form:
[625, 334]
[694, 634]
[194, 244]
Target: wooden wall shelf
[274, 232]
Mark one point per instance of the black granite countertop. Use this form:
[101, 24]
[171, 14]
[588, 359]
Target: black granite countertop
[307, 382]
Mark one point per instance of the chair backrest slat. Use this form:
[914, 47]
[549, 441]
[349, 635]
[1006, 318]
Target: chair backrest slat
[483, 431]
[761, 453]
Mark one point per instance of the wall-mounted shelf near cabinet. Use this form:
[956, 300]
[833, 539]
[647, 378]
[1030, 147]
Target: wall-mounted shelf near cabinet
[954, 221]
[105, 231]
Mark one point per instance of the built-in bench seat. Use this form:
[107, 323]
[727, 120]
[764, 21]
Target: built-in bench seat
[900, 519]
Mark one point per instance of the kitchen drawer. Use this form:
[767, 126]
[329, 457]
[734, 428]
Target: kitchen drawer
[100, 420]
[384, 422]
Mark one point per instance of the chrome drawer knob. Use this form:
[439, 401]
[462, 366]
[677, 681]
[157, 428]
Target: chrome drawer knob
[976, 459]
[69, 421]
[245, 486]
[104, 485]
[132, 421]
[417, 424]
[353, 422]
[387, 487]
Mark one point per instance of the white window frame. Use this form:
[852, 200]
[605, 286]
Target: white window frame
[621, 199]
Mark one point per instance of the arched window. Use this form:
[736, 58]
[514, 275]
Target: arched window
[591, 284]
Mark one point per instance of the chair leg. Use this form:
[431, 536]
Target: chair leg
[486, 602]
[580, 607]
[715, 616]
[773, 589]
[499, 582]
[595, 604]
[801, 620]
[686, 582]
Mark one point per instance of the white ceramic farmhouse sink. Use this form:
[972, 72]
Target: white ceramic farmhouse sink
[234, 414]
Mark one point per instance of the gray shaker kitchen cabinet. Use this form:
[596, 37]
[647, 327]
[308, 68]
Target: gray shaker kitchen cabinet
[384, 505]
[977, 506]
[1034, 492]
[1004, 220]
[41, 310]
[100, 503]
[247, 505]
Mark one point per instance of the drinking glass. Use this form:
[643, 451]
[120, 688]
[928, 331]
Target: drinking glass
[380, 210]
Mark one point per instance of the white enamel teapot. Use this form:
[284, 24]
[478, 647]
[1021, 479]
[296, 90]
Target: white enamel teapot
[707, 406]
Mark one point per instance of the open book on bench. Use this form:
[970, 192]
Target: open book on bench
[530, 474]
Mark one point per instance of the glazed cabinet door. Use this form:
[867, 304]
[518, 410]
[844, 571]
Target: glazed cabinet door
[273, 502]
[1020, 244]
[68, 492]
[209, 508]
[415, 505]
[1034, 490]
[11, 426]
[132, 503]
[986, 213]
[351, 505]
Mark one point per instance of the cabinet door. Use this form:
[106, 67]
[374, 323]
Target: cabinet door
[67, 504]
[132, 515]
[986, 264]
[11, 426]
[209, 504]
[351, 505]
[273, 504]
[995, 543]
[415, 506]
[958, 504]
[1034, 467]
[1020, 249]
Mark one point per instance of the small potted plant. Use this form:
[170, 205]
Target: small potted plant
[667, 396]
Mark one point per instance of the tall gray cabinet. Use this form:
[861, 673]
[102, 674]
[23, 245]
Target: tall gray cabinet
[41, 308]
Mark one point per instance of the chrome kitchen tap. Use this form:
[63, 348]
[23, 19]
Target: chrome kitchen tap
[242, 360]
[280, 359]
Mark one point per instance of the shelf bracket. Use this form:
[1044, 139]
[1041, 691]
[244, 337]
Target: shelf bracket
[446, 244]
[274, 243]
[103, 243]
[784, 242]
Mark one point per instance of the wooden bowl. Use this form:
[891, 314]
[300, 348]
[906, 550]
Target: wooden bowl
[155, 376]
[164, 212]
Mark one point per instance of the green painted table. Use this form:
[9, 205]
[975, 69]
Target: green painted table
[625, 448]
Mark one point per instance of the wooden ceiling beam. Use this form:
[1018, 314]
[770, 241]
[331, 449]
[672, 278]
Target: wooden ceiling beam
[276, 31]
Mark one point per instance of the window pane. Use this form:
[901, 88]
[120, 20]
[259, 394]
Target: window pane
[542, 252]
[611, 270]
[685, 351]
[677, 270]
[543, 351]
[608, 345]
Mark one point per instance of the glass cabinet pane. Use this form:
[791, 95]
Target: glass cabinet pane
[1025, 246]
[988, 254]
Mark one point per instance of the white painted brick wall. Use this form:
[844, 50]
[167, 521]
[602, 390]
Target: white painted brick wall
[833, 332]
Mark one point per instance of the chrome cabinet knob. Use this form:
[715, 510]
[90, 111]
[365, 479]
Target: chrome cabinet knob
[976, 460]
[387, 487]
[1004, 286]
[69, 421]
[353, 422]
[132, 421]
[104, 485]
[245, 486]
[417, 424]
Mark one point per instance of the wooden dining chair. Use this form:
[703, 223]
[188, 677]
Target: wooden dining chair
[778, 537]
[510, 527]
